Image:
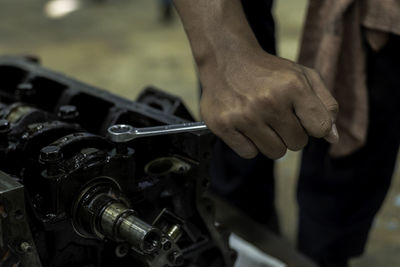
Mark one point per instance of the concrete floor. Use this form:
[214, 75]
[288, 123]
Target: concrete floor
[121, 45]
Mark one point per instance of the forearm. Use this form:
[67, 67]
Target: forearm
[252, 100]
[217, 29]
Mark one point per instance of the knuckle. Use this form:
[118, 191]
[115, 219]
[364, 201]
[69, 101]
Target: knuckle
[248, 116]
[297, 85]
[268, 103]
[219, 124]
[298, 76]
[313, 72]
[334, 107]
[294, 80]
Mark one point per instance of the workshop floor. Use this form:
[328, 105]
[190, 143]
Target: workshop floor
[121, 45]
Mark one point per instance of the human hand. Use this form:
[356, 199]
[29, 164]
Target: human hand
[257, 102]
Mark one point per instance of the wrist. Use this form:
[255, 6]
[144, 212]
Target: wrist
[226, 47]
[218, 30]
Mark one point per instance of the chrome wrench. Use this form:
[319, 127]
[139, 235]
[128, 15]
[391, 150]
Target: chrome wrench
[121, 133]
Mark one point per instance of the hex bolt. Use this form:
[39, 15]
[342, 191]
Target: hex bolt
[176, 258]
[50, 156]
[167, 245]
[25, 247]
[25, 91]
[4, 126]
[68, 113]
[121, 149]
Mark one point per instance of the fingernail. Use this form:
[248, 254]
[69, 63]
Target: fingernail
[333, 136]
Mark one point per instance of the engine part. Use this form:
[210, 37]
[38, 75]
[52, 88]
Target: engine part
[71, 195]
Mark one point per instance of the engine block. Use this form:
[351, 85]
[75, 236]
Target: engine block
[71, 197]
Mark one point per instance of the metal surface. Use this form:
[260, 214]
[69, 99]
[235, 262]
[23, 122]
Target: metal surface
[121, 133]
[119, 222]
[16, 243]
[92, 202]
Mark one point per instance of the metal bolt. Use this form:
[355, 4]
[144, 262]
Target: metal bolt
[25, 247]
[167, 245]
[68, 112]
[121, 149]
[50, 154]
[176, 258]
[4, 126]
[25, 90]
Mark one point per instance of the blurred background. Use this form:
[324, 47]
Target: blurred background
[125, 45]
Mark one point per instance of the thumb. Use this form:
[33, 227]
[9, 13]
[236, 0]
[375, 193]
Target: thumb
[330, 103]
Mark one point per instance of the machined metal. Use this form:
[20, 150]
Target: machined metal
[117, 221]
[122, 133]
[70, 197]
[16, 242]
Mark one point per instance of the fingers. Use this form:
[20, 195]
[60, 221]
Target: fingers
[322, 92]
[247, 137]
[317, 110]
[285, 132]
[314, 117]
[267, 141]
[328, 101]
[271, 114]
[290, 130]
[333, 136]
[236, 141]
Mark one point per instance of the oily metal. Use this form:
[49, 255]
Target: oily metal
[71, 194]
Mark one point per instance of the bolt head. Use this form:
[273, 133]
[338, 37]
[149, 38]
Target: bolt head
[167, 245]
[25, 247]
[25, 89]
[50, 154]
[68, 112]
[176, 258]
[4, 126]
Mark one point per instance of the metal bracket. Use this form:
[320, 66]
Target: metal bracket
[15, 234]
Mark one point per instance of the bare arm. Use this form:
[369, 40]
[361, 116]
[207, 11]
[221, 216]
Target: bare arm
[254, 101]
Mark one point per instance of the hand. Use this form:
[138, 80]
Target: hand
[252, 100]
[261, 103]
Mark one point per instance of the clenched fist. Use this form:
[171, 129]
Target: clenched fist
[254, 101]
[262, 103]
